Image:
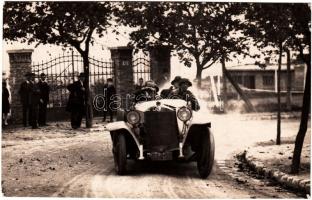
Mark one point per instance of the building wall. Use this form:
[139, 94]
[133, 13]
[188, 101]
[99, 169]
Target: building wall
[259, 76]
[20, 64]
[299, 77]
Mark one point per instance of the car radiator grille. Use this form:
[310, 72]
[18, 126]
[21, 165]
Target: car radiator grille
[161, 131]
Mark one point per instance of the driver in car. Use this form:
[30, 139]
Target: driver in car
[185, 94]
[173, 89]
[147, 93]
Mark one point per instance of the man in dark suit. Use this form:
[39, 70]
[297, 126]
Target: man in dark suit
[109, 92]
[34, 103]
[44, 99]
[25, 93]
[139, 86]
[76, 101]
[173, 89]
[185, 94]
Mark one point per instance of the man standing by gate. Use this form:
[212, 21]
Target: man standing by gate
[34, 103]
[109, 92]
[44, 99]
[24, 93]
[76, 101]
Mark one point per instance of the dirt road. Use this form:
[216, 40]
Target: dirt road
[57, 161]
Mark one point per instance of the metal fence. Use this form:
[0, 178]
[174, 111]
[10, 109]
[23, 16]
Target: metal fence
[64, 70]
[141, 67]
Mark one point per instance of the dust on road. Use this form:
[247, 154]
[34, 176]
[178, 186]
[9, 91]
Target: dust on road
[80, 164]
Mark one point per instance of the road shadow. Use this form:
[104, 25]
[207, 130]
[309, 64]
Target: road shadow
[169, 168]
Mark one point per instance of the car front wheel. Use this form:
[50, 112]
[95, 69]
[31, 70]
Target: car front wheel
[120, 154]
[205, 158]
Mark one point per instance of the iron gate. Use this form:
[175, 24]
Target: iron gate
[141, 67]
[64, 70]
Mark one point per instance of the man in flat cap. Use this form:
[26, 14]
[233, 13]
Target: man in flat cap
[173, 89]
[44, 99]
[25, 97]
[185, 94]
[109, 91]
[76, 101]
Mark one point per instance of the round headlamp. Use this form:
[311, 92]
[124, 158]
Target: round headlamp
[184, 114]
[133, 117]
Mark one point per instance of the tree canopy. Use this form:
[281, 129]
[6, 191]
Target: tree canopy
[59, 23]
[269, 24]
[198, 32]
[66, 23]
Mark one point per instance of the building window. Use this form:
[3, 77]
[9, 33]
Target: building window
[249, 82]
[268, 80]
[238, 79]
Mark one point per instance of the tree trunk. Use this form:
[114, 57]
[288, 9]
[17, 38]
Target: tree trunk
[278, 135]
[288, 96]
[224, 85]
[199, 75]
[239, 90]
[89, 110]
[304, 121]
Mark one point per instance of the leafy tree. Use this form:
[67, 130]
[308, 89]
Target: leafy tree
[286, 26]
[59, 23]
[301, 40]
[200, 33]
[268, 26]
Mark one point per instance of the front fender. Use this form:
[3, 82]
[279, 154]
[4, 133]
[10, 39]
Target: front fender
[194, 129]
[200, 118]
[121, 125]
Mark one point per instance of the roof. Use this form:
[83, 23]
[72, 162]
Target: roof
[20, 51]
[254, 67]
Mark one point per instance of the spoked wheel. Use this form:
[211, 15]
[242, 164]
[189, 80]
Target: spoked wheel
[205, 156]
[120, 154]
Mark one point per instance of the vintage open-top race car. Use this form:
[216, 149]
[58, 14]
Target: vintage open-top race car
[162, 130]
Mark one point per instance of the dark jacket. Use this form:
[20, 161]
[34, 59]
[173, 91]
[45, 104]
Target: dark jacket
[76, 98]
[44, 91]
[189, 97]
[138, 87]
[166, 92]
[5, 100]
[110, 91]
[25, 92]
[35, 94]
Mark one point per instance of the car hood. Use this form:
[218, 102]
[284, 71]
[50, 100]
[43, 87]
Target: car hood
[167, 103]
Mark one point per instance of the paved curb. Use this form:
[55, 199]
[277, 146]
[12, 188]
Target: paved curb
[282, 178]
[270, 116]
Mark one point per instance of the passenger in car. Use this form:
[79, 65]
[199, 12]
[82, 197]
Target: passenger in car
[173, 89]
[147, 93]
[185, 94]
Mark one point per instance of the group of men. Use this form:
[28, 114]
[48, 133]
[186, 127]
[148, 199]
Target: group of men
[34, 97]
[178, 90]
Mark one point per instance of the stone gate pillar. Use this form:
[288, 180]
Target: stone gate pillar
[20, 64]
[160, 64]
[122, 63]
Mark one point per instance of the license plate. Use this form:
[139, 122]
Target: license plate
[161, 156]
